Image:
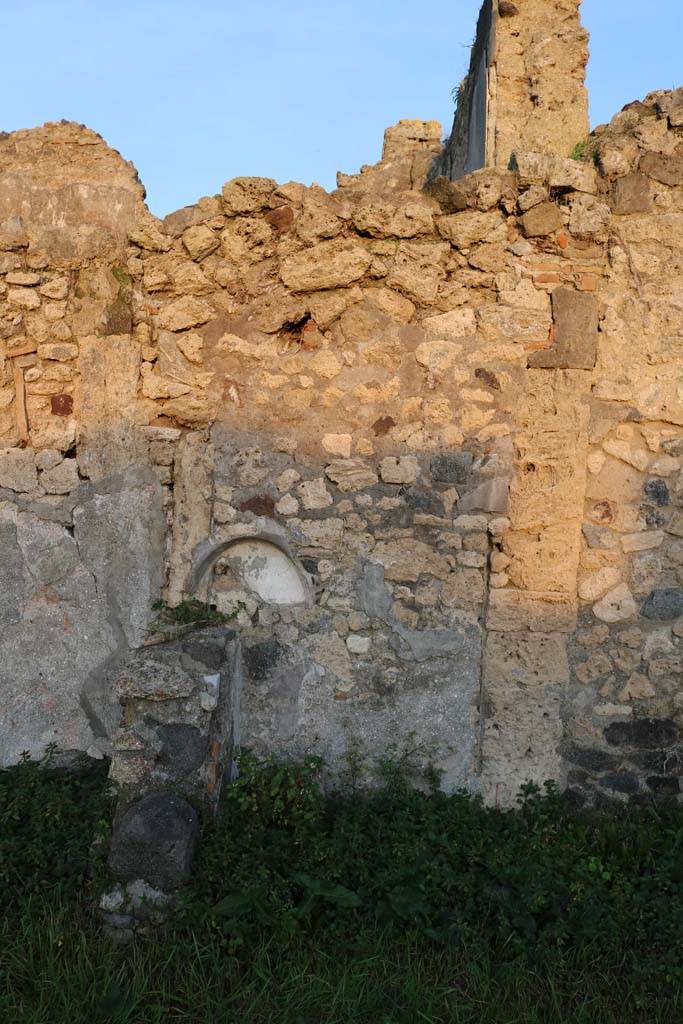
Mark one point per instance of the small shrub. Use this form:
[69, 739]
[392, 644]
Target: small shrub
[50, 819]
[190, 611]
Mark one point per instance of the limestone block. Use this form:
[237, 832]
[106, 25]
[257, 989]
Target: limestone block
[631, 193]
[617, 605]
[387, 219]
[314, 494]
[468, 227]
[666, 169]
[330, 264]
[418, 270]
[199, 241]
[626, 452]
[408, 559]
[184, 313]
[490, 496]
[337, 444]
[247, 195]
[463, 588]
[319, 216]
[575, 315]
[18, 469]
[59, 351]
[120, 532]
[61, 478]
[148, 236]
[522, 733]
[542, 220]
[451, 326]
[438, 356]
[351, 474]
[645, 541]
[511, 610]
[191, 345]
[596, 585]
[544, 560]
[392, 304]
[399, 470]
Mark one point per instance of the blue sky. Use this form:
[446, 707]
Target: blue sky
[198, 92]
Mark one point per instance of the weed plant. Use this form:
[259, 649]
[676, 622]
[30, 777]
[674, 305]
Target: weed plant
[393, 904]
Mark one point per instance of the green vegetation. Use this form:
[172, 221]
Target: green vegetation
[395, 905]
[189, 612]
[579, 150]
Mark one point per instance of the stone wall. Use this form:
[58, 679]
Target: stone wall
[421, 442]
[524, 89]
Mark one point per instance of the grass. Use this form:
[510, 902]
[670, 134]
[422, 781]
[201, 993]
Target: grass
[393, 906]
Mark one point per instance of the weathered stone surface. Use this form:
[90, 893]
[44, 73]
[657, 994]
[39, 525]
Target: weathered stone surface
[664, 604]
[200, 241]
[575, 315]
[648, 733]
[120, 534]
[155, 840]
[18, 469]
[616, 606]
[452, 467]
[327, 265]
[409, 559]
[183, 313]
[350, 474]
[542, 220]
[62, 478]
[402, 470]
[631, 194]
[247, 195]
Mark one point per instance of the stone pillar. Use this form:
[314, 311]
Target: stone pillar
[525, 88]
[180, 702]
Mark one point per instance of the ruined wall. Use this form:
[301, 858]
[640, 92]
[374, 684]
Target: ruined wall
[525, 87]
[423, 443]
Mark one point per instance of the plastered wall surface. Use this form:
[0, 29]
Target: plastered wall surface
[422, 438]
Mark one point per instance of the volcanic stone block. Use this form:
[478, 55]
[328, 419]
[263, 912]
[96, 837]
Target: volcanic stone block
[155, 840]
[575, 315]
[452, 467]
[664, 604]
[650, 733]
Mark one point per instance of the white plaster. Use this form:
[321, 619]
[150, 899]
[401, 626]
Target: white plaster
[267, 571]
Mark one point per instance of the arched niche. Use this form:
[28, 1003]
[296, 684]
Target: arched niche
[263, 565]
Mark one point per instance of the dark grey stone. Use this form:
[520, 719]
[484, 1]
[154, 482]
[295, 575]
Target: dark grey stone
[422, 501]
[654, 517]
[664, 785]
[261, 659]
[593, 760]
[155, 840]
[183, 749]
[575, 315]
[452, 467]
[650, 733]
[657, 491]
[208, 646]
[374, 594]
[664, 604]
[14, 576]
[621, 782]
[659, 762]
